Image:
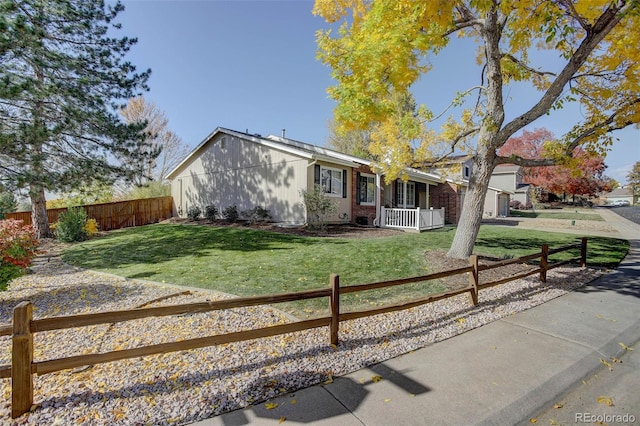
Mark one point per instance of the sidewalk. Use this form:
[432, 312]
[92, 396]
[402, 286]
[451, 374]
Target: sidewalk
[506, 372]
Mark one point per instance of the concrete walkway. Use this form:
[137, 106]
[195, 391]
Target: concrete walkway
[565, 352]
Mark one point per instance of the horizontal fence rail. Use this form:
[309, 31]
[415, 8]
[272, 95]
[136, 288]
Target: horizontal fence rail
[24, 326]
[116, 215]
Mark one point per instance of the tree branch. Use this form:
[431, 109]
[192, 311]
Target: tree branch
[525, 66]
[568, 5]
[452, 103]
[608, 123]
[605, 23]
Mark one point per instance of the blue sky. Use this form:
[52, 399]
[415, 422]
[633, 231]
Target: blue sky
[251, 65]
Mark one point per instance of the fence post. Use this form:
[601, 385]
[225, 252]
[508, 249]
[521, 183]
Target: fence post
[21, 360]
[473, 279]
[334, 305]
[544, 262]
[583, 252]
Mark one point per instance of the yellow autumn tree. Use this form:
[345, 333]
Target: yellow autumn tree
[380, 48]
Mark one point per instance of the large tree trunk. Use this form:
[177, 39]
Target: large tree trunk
[472, 209]
[39, 212]
[487, 146]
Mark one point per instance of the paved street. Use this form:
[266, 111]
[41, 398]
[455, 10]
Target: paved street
[609, 395]
[631, 213]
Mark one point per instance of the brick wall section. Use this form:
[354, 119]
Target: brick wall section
[358, 210]
[446, 195]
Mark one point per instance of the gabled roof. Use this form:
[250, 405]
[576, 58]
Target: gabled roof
[506, 168]
[298, 148]
[620, 192]
[320, 152]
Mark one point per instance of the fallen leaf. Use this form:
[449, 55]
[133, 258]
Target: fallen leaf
[282, 419]
[293, 401]
[616, 360]
[607, 364]
[270, 405]
[558, 405]
[605, 400]
[461, 320]
[387, 400]
[376, 379]
[329, 380]
[533, 420]
[605, 318]
[625, 347]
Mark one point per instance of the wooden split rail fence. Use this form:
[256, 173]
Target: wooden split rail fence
[24, 326]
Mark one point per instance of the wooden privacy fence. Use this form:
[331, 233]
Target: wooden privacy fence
[116, 215]
[24, 326]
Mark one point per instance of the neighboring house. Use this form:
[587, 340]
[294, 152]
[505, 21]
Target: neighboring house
[509, 177]
[496, 202]
[450, 194]
[456, 171]
[234, 168]
[619, 196]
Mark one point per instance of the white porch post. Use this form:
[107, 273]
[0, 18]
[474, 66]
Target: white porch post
[378, 218]
[418, 219]
[404, 194]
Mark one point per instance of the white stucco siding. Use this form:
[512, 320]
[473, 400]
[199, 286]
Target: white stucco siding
[233, 171]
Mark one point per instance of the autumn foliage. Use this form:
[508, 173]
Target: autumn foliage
[583, 174]
[18, 246]
[550, 53]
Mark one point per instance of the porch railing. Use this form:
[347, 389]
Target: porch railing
[413, 219]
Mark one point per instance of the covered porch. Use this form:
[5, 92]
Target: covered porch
[408, 219]
[407, 204]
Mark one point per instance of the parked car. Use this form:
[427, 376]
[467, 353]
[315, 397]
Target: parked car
[620, 203]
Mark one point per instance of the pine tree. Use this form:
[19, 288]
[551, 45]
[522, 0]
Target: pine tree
[63, 79]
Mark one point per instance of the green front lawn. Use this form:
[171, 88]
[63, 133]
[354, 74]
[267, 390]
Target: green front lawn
[246, 262]
[556, 215]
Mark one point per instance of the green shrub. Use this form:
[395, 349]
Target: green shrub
[71, 225]
[210, 213]
[194, 212]
[319, 206]
[18, 245]
[256, 214]
[231, 214]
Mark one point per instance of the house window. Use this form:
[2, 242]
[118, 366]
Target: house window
[367, 188]
[408, 199]
[331, 181]
[466, 172]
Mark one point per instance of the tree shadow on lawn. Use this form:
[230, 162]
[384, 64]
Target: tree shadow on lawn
[161, 242]
[600, 250]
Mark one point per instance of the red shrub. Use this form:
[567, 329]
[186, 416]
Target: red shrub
[18, 244]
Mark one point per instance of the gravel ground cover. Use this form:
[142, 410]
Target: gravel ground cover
[187, 386]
